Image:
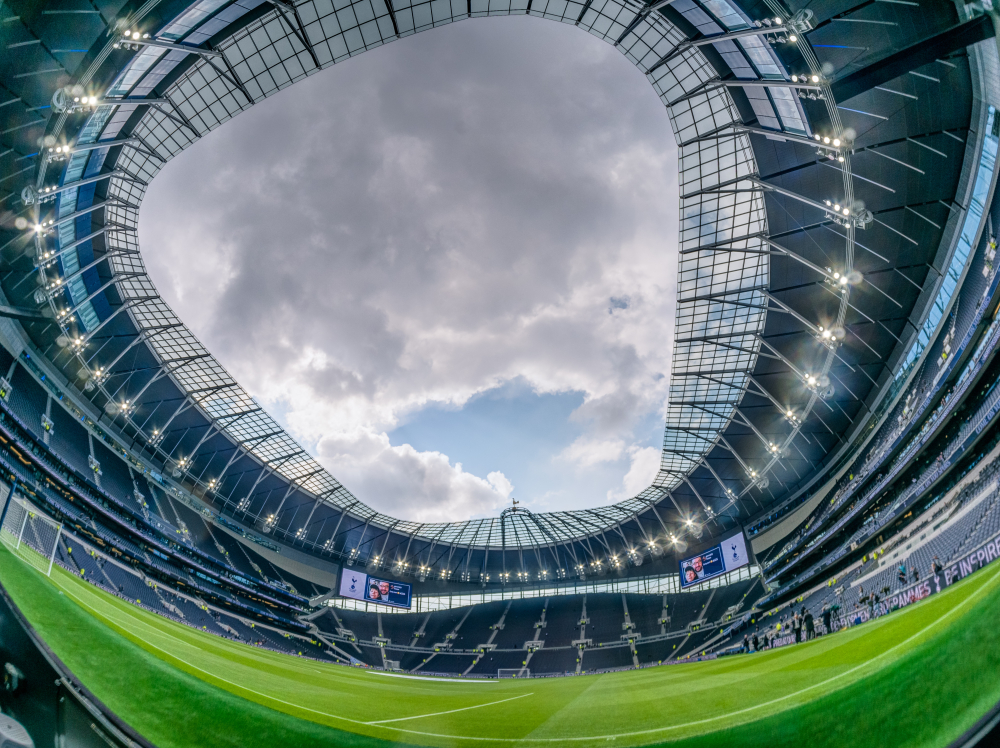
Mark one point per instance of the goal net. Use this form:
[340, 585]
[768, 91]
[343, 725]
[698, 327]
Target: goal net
[30, 534]
[513, 672]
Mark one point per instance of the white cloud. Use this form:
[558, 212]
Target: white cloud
[424, 224]
[586, 452]
[421, 486]
[644, 465]
[500, 484]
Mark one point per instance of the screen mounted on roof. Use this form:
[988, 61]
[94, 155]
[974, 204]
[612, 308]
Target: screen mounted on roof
[360, 586]
[729, 554]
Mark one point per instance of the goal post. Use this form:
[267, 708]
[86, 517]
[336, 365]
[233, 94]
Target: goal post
[513, 672]
[30, 534]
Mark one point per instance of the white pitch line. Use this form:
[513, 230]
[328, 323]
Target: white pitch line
[450, 711]
[170, 655]
[613, 736]
[428, 677]
[576, 739]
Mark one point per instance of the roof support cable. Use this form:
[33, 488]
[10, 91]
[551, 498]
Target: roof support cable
[52, 223]
[144, 335]
[660, 62]
[231, 76]
[843, 215]
[895, 160]
[284, 6]
[729, 36]
[738, 128]
[332, 541]
[52, 154]
[241, 449]
[44, 259]
[631, 27]
[33, 196]
[715, 83]
[164, 371]
[185, 48]
[104, 286]
[178, 117]
[58, 285]
[768, 444]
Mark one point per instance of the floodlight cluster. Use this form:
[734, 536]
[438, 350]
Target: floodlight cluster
[129, 40]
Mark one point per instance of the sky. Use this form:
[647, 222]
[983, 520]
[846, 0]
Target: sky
[446, 266]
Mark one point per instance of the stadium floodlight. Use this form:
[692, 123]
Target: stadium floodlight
[270, 522]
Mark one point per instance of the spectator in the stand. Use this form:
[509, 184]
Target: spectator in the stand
[902, 574]
[810, 626]
[915, 575]
[936, 566]
[874, 604]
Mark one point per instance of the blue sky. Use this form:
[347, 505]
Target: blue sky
[522, 433]
[446, 266]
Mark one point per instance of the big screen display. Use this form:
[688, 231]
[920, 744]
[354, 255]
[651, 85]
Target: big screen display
[730, 554]
[360, 586]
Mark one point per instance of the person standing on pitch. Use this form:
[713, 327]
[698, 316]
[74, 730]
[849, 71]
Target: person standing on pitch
[810, 627]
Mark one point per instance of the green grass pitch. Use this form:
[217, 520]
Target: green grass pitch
[917, 677]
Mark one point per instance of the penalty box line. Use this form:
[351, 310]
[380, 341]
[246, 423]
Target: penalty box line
[574, 739]
[612, 736]
[450, 711]
[173, 656]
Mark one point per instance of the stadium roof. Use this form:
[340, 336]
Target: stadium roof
[825, 162]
